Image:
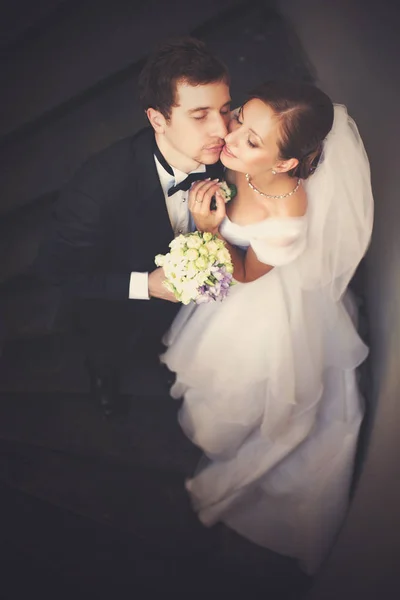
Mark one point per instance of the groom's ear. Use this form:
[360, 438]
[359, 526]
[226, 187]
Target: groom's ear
[156, 119]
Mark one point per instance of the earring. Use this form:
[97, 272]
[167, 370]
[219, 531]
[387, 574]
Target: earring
[273, 172]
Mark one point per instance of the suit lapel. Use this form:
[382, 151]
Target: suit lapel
[151, 214]
[150, 208]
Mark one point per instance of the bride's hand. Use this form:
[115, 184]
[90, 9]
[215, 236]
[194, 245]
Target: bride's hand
[200, 197]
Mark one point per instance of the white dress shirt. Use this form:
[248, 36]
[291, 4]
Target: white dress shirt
[179, 215]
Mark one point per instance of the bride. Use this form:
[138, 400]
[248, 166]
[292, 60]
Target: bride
[268, 376]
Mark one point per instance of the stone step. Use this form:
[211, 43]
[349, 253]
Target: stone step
[150, 503]
[147, 435]
[85, 43]
[21, 232]
[103, 524]
[20, 19]
[83, 553]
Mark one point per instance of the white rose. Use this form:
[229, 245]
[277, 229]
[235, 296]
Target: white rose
[223, 256]
[177, 242]
[212, 246]
[177, 254]
[159, 260]
[201, 263]
[193, 241]
[191, 271]
[192, 254]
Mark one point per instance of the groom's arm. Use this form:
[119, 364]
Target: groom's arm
[69, 255]
[72, 249]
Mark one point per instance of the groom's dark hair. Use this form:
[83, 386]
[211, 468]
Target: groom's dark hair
[184, 59]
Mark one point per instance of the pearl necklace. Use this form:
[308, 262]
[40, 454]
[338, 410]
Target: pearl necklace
[253, 187]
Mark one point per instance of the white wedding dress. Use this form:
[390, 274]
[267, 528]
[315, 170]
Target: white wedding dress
[270, 393]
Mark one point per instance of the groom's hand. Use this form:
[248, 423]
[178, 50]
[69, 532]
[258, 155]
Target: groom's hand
[157, 288]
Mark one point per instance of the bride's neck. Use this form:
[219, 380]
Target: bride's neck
[269, 183]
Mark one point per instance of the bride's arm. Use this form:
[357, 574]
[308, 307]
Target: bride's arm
[246, 266]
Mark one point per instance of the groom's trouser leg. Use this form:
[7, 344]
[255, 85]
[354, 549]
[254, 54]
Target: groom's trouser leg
[114, 337]
[116, 333]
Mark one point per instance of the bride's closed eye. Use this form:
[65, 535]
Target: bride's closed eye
[237, 117]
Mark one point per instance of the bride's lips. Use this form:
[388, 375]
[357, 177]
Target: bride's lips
[228, 152]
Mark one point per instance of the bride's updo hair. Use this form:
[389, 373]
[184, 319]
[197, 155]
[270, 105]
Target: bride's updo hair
[305, 114]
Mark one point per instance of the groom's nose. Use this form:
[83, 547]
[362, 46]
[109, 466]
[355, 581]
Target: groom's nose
[219, 126]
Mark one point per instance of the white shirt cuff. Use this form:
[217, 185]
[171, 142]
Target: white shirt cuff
[139, 286]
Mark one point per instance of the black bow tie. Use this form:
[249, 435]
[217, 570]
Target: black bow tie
[187, 182]
[212, 171]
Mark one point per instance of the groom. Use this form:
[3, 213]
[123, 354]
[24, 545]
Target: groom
[124, 206]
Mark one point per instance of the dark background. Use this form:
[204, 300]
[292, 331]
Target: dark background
[92, 507]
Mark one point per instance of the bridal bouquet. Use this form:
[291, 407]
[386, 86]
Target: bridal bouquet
[198, 268]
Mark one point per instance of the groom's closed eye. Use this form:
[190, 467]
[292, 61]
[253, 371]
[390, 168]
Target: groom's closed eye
[202, 117]
[199, 115]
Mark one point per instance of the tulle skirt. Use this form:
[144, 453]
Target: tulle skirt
[268, 378]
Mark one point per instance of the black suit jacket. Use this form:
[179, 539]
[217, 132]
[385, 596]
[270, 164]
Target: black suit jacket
[111, 219]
